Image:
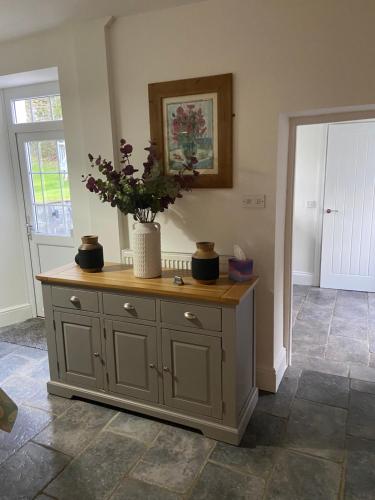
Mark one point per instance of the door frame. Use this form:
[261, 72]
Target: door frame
[293, 123]
[13, 129]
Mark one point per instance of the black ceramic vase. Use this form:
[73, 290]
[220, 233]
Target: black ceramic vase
[90, 255]
[205, 263]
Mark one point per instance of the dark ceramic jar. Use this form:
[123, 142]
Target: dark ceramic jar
[205, 263]
[90, 254]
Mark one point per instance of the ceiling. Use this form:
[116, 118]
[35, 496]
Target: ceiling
[23, 17]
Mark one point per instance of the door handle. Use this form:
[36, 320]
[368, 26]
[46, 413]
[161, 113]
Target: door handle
[330, 210]
[29, 229]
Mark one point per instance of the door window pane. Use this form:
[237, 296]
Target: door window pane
[37, 109]
[49, 184]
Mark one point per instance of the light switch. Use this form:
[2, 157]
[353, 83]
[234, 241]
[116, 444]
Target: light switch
[253, 201]
[311, 204]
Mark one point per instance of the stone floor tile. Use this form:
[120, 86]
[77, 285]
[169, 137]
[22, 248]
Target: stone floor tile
[29, 470]
[324, 388]
[365, 373]
[141, 428]
[350, 311]
[349, 297]
[356, 329]
[95, 472]
[39, 371]
[347, 350]
[298, 477]
[20, 388]
[279, 404]
[371, 340]
[300, 361]
[310, 331]
[300, 290]
[6, 348]
[29, 422]
[372, 360]
[11, 364]
[316, 429]
[174, 459]
[259, 446]
[218, 482]
[316, 351]
[43, 497]
[313, 312]
[362, 386]
[75, 428]
[48, 402]
[132, 489]
[361, 419]
[360, 475]
[28, 333]
[322, 296]
[32, 353]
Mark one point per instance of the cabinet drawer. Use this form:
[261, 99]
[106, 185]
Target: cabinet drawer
[129, 306]
[191, 315]
[73, 298]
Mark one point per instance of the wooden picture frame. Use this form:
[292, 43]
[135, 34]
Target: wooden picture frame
[193, 117]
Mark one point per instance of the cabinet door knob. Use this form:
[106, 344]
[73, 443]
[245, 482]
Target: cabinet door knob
[128, 306]
[165, 368]
[96, 354]
[151, 365]
[189, 315]
[74, 299]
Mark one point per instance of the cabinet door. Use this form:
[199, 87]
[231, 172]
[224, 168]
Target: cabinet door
[192, 372]
[79, 349]
[132, 360]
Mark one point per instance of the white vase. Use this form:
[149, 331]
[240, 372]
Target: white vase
[146, 250]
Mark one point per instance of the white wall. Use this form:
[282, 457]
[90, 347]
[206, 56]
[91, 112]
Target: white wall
[286, 57]
[14, 300]
[308, 188]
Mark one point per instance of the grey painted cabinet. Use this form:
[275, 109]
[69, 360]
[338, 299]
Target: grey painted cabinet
[132, 360]
[192, 372]
[79, 350]
[184, 359]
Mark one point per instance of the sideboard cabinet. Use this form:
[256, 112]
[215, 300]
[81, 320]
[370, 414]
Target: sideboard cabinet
[181, 353]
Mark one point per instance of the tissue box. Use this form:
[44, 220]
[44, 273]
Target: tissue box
[240, 270]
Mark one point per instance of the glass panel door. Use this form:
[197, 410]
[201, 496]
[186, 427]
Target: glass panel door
[46, 190]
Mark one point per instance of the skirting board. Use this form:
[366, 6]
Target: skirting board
[268, 379]
[302, 278]
[15, 314]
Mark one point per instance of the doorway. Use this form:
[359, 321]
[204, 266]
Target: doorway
[39, 159]
[333, 265]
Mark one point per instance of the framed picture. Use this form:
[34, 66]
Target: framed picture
[193, 117]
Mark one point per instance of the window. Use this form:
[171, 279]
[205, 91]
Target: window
[37, 109]
[49, 185]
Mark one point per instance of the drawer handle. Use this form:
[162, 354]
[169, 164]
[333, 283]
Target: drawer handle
[189, 315]
[151, 365]
[128, 306]
[165, 368]
[96, 354]
[74, 300]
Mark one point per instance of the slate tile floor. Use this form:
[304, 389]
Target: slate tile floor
[314, 439]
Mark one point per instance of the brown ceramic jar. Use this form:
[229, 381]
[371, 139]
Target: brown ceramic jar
[205, 263]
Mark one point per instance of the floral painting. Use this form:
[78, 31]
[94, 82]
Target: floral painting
[190, 130]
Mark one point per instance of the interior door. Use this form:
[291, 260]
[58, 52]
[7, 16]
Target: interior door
[192, 372]
[348, 240]
[46, 191]
[132, 360]
[79, 349]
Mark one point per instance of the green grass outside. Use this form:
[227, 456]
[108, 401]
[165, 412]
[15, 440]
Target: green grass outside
[52, 189]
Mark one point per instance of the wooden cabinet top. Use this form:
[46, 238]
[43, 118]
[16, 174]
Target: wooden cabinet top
[120, 278]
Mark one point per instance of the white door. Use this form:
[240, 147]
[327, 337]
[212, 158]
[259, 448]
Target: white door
[348, 241]
[46, 192]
